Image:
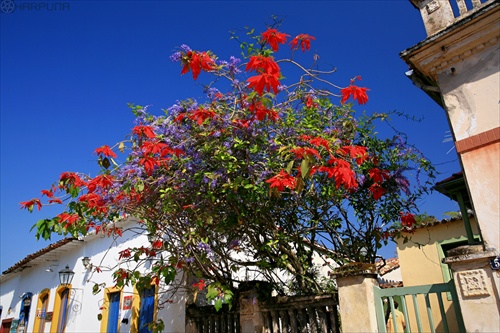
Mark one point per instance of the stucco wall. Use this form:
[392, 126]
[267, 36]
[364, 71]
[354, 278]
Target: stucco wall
[483, 176]
[84, 307]
[471, 93]
[421, 265]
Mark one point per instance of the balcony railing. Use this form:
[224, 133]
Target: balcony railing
[439, 14]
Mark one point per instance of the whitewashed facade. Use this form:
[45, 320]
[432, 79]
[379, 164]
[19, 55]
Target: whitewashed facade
[28, 281]
[76, 308]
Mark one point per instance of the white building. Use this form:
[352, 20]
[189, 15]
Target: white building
[32, 299]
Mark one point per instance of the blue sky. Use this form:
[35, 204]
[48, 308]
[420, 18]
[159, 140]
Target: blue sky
[68, 73]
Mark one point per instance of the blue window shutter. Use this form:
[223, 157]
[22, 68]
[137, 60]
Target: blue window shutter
[113, 312]
[147, 309]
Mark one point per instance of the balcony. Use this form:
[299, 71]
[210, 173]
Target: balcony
[440, 14]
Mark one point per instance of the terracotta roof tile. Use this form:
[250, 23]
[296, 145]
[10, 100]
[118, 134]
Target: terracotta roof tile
[20, 265]
[390, 265]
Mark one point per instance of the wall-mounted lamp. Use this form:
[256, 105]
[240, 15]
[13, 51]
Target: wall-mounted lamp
[86, 263]
[66, 276]
[49, 269]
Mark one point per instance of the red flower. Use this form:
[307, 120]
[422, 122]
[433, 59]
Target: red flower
[197, 61]
[261, 112]
[106, 151]
[180, 117]
[201, 114]
[92, 200]
[149, 164]
[377, 191]
[356, 92]
[282, 180]
[144, 131]
[407, 219]
[70, 219]
[300, 152]
[262, 81]
[378, 175]
[241, 123]
[269, 74]
[262, 64]
[117, 231]
[303, 41]
[70, 178]
[154, 147]
[124, 254]
[342, 172]
[158, 244]
[310, 103]
[357, 152]
[47, 193]
[100, 181]
[55, 200]
[200, 284]
[30, 204]
[318, 141]
[273, 38]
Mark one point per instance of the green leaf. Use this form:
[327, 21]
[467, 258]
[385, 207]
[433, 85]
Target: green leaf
[218, 304]
[139, 186]
[212, 292]
[304, 168]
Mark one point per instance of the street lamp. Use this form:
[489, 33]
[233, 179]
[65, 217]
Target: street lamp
[66, 276]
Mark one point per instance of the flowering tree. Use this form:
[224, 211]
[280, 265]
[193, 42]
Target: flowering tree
[259, 174]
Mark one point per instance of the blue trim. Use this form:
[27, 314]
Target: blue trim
[113, 312]
[147, 309]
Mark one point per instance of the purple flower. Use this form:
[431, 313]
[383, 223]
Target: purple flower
[176, 56]
[234, 243]
[204, 247]
[185, 48]
[233, 65]
[212, 92]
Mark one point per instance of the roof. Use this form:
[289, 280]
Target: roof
[434, 222]
[47, 254]
[390, 265]
[51, 253]
[384, 268]
[453, 185]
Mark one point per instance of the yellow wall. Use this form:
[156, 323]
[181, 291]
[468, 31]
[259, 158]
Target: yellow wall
[420, 264]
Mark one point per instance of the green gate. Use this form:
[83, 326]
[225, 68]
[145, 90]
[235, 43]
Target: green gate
[420, 305]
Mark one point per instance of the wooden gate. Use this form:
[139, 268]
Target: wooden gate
[296, 314]
[429, 308]
[311, 314]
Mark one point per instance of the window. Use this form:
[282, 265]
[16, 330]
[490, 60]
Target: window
[147, 309]
[24, 312]
[41, 311]
[144, 307]
[111, 310]
[61, 309]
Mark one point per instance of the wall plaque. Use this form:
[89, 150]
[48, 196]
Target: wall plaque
[473, 283]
